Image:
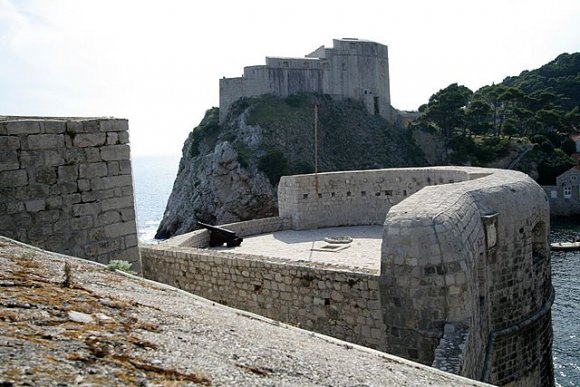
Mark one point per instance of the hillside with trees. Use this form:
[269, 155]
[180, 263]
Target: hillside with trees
[539, 107]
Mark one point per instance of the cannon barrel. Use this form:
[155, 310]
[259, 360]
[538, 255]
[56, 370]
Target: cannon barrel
[219, 235]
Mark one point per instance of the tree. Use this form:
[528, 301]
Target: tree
[446, 108]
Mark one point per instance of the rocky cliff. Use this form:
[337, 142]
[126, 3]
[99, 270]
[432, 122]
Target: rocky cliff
[229, 172]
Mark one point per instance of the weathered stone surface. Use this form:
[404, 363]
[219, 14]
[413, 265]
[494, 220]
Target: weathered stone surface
[45, 141]
[53, 181]
[13, 178]
[115, 152]
[22, 127]
[84, 140]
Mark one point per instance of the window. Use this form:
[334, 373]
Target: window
[553, 194]
[567, 192]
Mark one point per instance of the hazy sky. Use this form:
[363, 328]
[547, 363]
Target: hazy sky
[157, 63]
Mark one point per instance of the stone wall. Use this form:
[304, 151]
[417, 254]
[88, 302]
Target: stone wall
[341, 304]
[473, 255]
[355, 197]
[464, 283]
[66, 186]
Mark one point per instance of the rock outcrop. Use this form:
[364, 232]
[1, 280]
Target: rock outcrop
[229, 172]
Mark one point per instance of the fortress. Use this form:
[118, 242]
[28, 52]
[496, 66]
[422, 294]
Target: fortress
[460, 278]
[352, 68]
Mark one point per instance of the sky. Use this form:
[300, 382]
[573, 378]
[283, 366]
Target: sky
[158, 63]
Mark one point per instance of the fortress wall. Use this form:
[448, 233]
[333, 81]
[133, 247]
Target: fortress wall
[341, 304]
[354, 197]
[232, 89]
[473, 255]
[66, 186]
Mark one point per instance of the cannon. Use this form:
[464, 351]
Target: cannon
[219, 235]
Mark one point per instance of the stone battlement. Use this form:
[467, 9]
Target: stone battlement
[464, 281]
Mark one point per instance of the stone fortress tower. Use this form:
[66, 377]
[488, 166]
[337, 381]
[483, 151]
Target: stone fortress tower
[352, 68]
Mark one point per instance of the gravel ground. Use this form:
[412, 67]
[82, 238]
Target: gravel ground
[65, 321]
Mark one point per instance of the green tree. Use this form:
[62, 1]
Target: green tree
[446, 108]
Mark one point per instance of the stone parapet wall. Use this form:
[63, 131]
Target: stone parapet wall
[341, 304]
[354, 198]
[464, 283]
[66, 186]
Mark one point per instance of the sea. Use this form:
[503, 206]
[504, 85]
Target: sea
[154, 177]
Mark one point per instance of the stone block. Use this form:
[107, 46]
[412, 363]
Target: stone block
[45, 175]
[84, 185]
[35, 205]
[108, 218]
[14, 207]
[131, 241]
[82, 223]
[114, 125]
[113, 168]
[84, 140]
[54, 126]
[115, 152]
[91, 170]
[54, 202]
[48, 158]
[123, 137]
[92, 155]
[45, 141]
[10, 179]
[48, 216]
[120, 229]
[85, 209]
[9, 160]
[128, 213]
[112, 138]
[22, 127]
[75, 155]
[9, 143]
[108, 182]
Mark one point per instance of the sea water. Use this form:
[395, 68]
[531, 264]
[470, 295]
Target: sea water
[154, 177]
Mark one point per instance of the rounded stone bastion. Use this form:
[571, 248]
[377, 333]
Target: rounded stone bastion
[461, 278]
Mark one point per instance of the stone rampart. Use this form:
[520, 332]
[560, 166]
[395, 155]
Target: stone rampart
[66, 186]
[342, 304]
[356, 197]
[464, 283]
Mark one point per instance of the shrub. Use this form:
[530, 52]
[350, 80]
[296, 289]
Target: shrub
[274, 164]
[120, 266]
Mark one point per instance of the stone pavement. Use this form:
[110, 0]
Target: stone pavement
[364, 252]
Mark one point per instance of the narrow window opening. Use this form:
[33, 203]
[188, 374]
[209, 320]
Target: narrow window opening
[376, 105]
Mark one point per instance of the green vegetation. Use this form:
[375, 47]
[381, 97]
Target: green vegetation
[540, 105]
[207, 130]
[123, 266]
[348, 136]
[274, 164]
